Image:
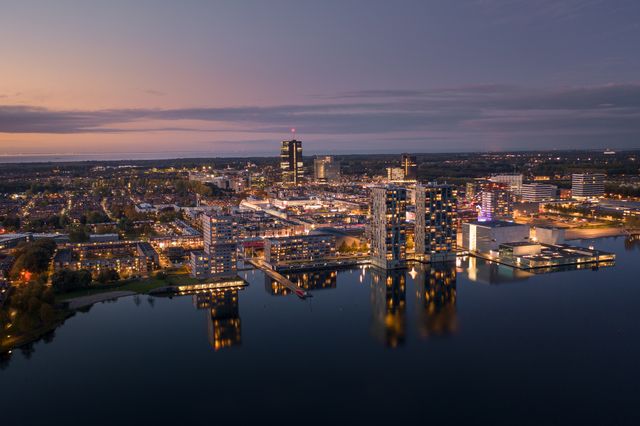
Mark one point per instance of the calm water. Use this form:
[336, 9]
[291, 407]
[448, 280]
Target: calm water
[472, 344]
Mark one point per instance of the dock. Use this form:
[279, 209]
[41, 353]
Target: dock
[260, 264]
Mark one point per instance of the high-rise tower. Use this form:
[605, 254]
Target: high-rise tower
[435, 235]
[388, 226]
[291, 164]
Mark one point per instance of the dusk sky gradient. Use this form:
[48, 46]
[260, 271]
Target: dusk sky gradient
[232, 77]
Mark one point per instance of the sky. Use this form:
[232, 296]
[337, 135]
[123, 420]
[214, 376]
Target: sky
[234, 77]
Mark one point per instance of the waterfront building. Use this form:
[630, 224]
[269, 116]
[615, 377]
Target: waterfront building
[435, 229]
[219, 257]
[513, 181]
[485, 237]
[299, 249]
[409, 165]
[538, 192]
[388, 226]
[587, 185]
[291, 165]
[326, 169]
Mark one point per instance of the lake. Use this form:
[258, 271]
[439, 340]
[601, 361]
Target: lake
[472, 343]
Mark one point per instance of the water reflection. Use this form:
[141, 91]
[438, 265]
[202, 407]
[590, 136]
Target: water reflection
[632, 242]
[223, 317]
[436, 300]
[487, 272]
[309, 280]
[388, 305]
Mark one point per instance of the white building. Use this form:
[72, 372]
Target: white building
[484, 237]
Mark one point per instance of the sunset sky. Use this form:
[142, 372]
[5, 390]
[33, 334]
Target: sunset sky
[232, 77]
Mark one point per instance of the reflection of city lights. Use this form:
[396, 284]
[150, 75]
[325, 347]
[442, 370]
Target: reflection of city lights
[413, 273]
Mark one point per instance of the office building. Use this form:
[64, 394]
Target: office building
[513, 181]
[435, 231]
[587, 185]
[538, 192]
[388, 226]
[326, 169]
[291, 165]
[409, 166]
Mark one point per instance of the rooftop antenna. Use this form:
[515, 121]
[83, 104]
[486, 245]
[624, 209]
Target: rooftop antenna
[293, 132]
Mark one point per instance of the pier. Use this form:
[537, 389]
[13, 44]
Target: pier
[260, 264]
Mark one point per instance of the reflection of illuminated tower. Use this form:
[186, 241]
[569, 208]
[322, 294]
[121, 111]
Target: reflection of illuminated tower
[291, 165]
[436, 300]
[223, 321]
[388, 307]
[388, 226]
[309, 280]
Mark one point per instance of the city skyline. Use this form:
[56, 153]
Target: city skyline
[232, 78]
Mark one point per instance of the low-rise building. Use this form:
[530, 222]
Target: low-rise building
[299, 249]
[485, 237]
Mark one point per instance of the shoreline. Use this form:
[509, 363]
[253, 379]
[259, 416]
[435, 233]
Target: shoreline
[590, 233]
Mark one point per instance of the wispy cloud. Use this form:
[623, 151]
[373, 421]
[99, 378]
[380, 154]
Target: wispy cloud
[471, 111]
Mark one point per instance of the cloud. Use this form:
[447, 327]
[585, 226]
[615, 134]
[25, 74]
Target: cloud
[476, 112]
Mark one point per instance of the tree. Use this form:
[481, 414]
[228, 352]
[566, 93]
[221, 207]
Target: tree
[66, 280]
[79, 234]
[33, 257]
[107, 275]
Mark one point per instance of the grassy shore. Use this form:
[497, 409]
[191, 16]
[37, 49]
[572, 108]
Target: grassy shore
[141, 285]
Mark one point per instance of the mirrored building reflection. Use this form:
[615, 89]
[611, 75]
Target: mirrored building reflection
[388, 306]
[632, 242]
[487, 272]
[223, 316]
[436, 299]
[310, 280]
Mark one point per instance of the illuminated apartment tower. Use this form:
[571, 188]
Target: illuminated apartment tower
[587, 185]
[435, 235]
[326, 169]
[496, 204]
[409, 167]
[388, 226]
[219, 257]
[291, 164]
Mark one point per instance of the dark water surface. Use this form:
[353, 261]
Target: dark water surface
[472, 344]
